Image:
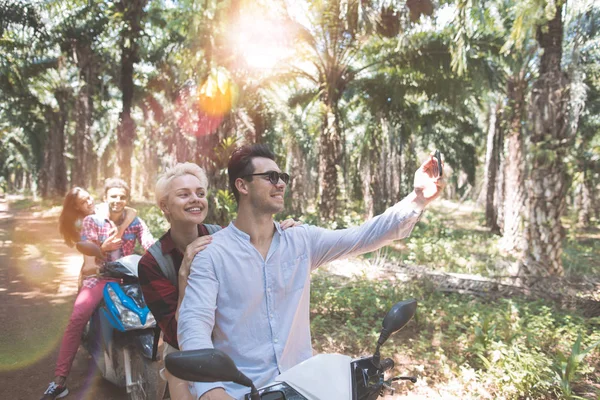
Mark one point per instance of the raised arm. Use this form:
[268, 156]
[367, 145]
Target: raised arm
[395, 223]
[130, 214]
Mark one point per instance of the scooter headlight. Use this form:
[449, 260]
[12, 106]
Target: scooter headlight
[129, 318]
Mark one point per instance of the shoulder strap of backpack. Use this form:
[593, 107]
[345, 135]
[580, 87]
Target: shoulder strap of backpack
[165, 262]
[213, 228]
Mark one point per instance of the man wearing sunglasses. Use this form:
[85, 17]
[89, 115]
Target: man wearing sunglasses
[248, 293]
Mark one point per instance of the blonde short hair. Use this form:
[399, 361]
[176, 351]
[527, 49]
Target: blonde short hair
[180, 169]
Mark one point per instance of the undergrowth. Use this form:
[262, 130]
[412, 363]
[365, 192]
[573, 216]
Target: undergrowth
[456, 241]
[505, 349]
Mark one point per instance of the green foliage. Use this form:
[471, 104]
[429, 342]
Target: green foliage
[566, 366]
[153, 217]
[503, 354]
[581, 254]
[348, 220]
[346, 316]
[225, 207]
[450, 243]
[496, 349]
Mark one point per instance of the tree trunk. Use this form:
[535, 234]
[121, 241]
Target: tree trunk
[514, 186]
[133, 12]
[500, 178]
[152, 163]
[381, 173]
[584, 212]
[53, 172]
[84, 108]
[81, 140]
[491, 168]
[366, 172]
[395, 167]
[182, 150]
[330, 158]
[549, 139]
[409, 165]
[298, 189]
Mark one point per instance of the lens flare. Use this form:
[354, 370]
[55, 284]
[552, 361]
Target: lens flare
[44, 285]
[263, 41]
[218, 94]
[201, 110]
[208, 124]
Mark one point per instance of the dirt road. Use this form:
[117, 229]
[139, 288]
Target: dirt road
[38, 283]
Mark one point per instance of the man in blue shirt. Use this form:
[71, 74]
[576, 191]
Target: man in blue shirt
[248, 293]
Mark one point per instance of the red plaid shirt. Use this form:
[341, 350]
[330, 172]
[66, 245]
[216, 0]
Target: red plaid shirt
[159, 293]
[96, 229]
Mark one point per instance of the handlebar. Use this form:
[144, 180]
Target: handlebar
[404, 378]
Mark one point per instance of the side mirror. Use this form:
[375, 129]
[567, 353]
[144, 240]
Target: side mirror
[398, 316]
[205, 365]
[90, 249]
[395, 319]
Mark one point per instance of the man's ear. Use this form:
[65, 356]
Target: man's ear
[241, 185]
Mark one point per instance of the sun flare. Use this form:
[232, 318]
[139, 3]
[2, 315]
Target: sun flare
[262, 42]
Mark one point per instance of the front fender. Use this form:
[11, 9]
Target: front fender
[144, 342]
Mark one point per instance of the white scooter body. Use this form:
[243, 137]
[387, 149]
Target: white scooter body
[324, 376]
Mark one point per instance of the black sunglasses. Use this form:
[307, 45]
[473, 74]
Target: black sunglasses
[274, 176]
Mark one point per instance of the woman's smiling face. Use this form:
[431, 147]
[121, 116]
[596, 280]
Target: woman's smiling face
[186, 200]
[85, 203]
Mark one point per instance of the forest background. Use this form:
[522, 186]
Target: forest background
[352, 95]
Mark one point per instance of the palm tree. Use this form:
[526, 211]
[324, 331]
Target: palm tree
[582, 65]
[403, 105]
[78, 34]
[132, 12]
[36, 97]
[550, 141]
[334, 33]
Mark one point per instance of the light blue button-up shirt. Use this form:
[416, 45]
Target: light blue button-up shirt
[256, 310]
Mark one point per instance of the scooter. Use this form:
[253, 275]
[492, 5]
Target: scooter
[321, 377]
[120, 334]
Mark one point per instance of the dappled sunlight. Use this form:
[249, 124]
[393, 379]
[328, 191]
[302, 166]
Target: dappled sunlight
[71, 267]
[32, 267]
[38, 283]
[351, 268]
[59, 277]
